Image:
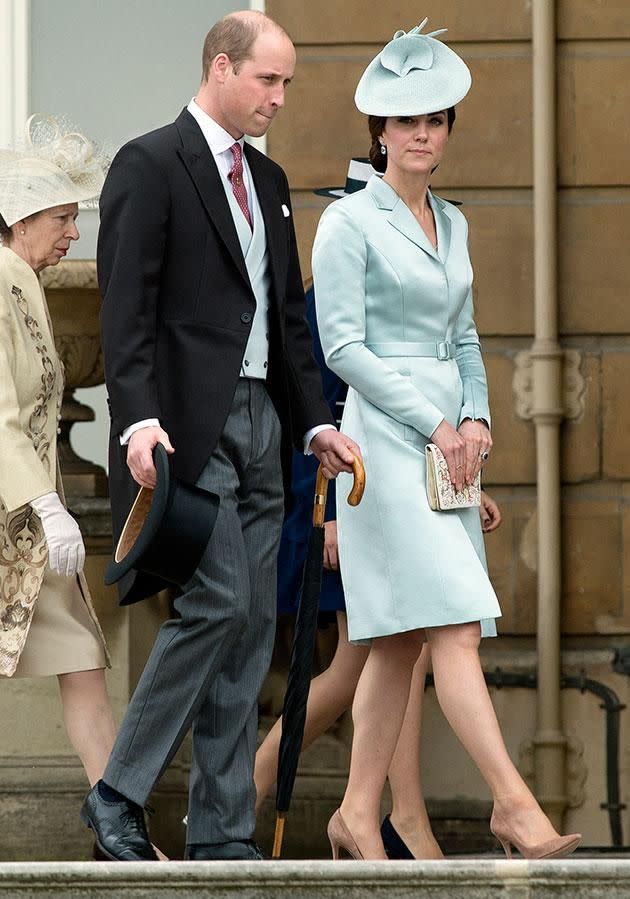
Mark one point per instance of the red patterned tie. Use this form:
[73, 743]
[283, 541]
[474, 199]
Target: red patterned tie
[238, 185]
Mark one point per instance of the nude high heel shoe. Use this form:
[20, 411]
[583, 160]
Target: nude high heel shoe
[554, 848]
[341, 838]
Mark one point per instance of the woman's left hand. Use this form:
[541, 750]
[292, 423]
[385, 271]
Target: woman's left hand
[478, 441]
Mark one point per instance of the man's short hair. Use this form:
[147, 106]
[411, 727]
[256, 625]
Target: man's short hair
[235, 35]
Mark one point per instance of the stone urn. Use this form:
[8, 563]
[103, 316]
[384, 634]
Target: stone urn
[74, 302]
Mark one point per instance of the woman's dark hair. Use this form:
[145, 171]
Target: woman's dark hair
[5, 231]
[376, 124]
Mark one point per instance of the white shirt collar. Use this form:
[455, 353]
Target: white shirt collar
[218, 139]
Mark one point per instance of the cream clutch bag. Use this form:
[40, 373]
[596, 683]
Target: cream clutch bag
[440, 490]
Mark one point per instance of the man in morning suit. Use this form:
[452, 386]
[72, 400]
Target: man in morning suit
[207, 352]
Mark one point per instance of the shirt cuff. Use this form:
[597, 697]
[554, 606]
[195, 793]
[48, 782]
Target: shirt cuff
[313, 433]
[145, 423]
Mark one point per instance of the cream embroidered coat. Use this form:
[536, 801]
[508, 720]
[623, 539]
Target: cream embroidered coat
[31, 388]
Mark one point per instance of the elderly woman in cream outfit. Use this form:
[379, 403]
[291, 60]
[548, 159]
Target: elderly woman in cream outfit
[47, 623]
[393, 292]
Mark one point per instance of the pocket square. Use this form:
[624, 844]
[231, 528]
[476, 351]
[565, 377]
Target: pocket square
[285, 211]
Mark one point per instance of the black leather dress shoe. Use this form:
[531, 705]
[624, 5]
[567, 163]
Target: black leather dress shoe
[237, 850]
[119, 828]
[395, 846]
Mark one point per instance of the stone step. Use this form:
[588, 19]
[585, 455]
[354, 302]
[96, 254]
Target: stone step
[469, 879]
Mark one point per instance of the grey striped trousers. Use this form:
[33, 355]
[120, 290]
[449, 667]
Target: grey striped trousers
[207, 665]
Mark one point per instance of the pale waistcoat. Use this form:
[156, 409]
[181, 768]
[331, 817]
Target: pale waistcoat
[254, 247]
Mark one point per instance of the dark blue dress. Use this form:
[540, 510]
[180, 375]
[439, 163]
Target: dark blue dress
[298, 523]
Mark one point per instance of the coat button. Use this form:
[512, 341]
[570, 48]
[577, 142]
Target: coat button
[246, 317]
[246, 361]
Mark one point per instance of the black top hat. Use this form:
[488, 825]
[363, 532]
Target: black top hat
[359, 172]
[167, 529]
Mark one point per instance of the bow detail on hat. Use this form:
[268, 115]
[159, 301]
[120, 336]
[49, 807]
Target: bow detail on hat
[50, 165]
[409, 50]
[73, 153]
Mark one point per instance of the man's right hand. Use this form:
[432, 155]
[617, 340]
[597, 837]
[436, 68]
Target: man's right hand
[140, 454]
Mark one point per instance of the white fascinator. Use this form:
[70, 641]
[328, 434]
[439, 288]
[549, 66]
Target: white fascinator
[50, 166]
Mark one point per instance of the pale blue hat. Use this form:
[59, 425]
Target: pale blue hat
[414, 74]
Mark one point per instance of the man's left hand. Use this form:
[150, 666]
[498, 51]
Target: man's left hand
[335, 451]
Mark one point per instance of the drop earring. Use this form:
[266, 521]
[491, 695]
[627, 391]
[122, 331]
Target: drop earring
[383, 150]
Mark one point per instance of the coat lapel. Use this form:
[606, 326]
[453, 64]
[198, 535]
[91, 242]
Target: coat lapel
[405, 221]
[401, 217]
[196, 156]
[443, 225]
[275, 226]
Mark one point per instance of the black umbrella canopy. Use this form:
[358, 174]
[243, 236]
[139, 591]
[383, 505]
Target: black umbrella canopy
[300, 669]
[296, 697]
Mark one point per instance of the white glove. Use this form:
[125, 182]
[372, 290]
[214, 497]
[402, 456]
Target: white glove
[66, 552]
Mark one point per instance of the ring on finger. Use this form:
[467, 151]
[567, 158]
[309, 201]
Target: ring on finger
[484, 456]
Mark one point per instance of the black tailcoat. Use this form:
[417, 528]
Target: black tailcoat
[178, 307]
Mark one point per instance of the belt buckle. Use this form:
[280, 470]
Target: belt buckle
[443, 351]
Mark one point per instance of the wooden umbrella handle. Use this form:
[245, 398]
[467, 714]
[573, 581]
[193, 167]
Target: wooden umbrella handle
[356, 494]
[321, 491]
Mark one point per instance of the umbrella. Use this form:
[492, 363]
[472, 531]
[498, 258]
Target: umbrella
[300, 669]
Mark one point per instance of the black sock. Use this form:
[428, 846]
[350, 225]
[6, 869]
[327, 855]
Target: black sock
[109, 794]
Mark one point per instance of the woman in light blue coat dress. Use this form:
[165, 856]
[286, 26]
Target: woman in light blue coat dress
[393, 287]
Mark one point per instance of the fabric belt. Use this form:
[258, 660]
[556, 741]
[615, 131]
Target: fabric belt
[442, 349]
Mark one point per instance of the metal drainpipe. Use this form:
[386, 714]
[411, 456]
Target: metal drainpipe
[547, 413]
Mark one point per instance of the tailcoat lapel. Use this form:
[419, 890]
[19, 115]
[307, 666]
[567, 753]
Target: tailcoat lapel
[196, 156]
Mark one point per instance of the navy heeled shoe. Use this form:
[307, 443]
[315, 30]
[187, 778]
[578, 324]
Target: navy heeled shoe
[395, 847]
